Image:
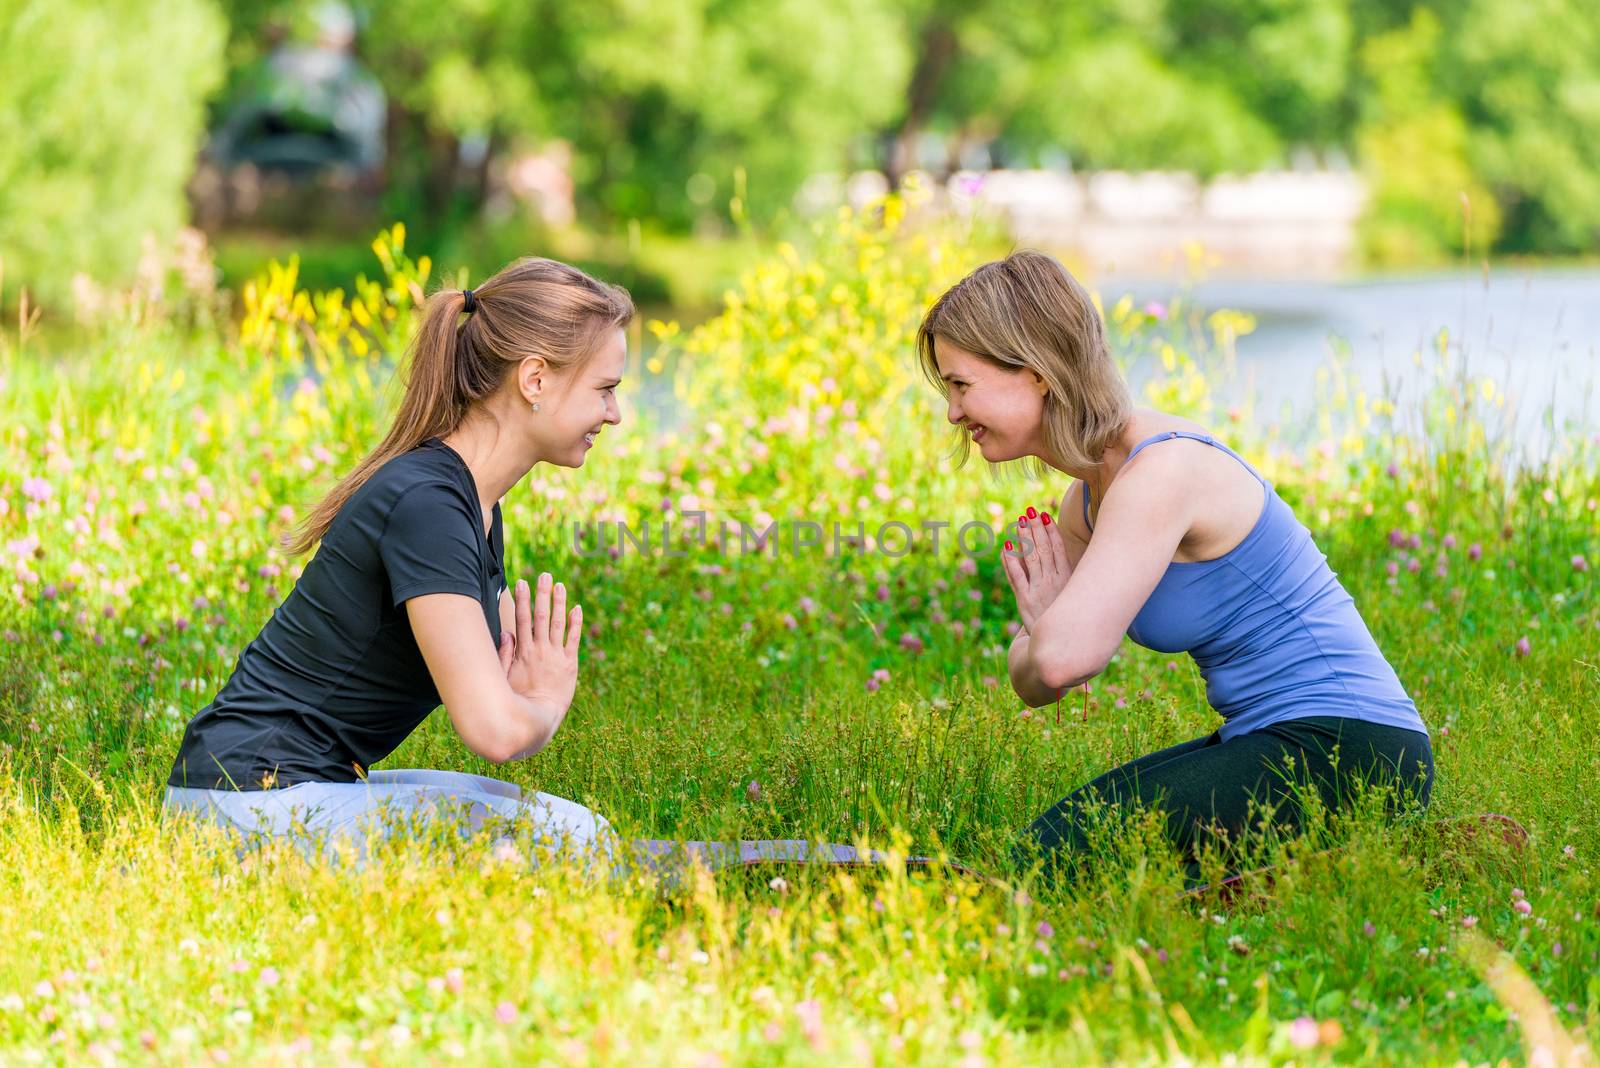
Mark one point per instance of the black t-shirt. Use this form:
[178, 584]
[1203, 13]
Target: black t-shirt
[335, 680]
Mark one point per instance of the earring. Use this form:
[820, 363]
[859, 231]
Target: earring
[535, 405]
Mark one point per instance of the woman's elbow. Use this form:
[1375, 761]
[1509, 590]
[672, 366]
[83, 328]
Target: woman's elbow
[500, 755]
[1054, 676]
[528, 748]
[494, 750]
[1062, 670]
[495, 737]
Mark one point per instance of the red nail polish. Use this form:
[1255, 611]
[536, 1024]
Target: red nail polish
[1046, 518]
[1031, 513]
[1008, 547]
[1022, 520]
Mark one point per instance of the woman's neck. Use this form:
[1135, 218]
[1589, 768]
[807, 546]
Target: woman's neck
[496, 464]
[1100, 476]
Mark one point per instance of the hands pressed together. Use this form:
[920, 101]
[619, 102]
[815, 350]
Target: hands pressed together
[1037, 569]
[540, 657]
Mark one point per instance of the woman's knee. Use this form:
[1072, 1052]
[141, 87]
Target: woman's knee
[1063, 829]
[561, 814]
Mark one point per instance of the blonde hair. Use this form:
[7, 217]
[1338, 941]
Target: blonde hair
[532, 307]
[1027, 312]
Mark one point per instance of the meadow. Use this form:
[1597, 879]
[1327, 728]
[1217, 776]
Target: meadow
[851, 692]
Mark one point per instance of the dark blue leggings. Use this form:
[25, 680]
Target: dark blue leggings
[1210, 782]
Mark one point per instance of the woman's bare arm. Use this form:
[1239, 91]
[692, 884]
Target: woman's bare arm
[1025, 677]
[1145, 515]
[505, 704]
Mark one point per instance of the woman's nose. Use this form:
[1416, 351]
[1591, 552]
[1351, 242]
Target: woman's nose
[953, 413]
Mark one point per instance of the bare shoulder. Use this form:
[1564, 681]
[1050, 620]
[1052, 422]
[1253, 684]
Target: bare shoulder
[1183, 454]
[1223, 497]
[1161, 469]
[1166, 471]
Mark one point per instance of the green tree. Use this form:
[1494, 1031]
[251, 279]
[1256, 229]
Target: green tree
[1413, 145]
[1210, 85]
[664, 102]
[101, 113]
[1527, 78]
[650, 95]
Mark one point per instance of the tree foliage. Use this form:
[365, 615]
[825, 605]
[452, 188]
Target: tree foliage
[101, 113]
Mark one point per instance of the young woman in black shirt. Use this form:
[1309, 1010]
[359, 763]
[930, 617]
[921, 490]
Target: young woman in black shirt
[404, 604]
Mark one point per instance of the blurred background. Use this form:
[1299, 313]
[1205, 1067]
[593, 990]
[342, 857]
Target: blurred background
[1353, 172]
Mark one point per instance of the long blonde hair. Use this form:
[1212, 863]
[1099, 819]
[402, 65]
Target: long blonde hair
[532, 307]
[1027, 312]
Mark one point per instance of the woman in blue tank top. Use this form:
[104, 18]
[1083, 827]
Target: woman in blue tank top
[1176, 541]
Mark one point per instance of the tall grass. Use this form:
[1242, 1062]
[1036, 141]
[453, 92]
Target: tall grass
[853, 696]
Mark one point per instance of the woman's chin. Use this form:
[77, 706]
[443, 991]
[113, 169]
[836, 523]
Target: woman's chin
[993, 451]
[575, 456]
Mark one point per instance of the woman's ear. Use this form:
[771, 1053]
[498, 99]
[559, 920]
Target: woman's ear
[531, 373]
[1040, 384]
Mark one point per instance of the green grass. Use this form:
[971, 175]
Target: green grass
[148, 942]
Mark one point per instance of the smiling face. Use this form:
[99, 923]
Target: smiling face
[1019, 349]
[1001, 409]
[576, 406]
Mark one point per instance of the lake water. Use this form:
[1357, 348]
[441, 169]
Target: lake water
[1536, 332]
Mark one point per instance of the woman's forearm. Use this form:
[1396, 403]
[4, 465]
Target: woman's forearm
[1025, 675]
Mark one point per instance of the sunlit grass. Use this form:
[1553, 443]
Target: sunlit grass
[852, 697]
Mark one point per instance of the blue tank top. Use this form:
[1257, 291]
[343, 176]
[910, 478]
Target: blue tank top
[1274, 633]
